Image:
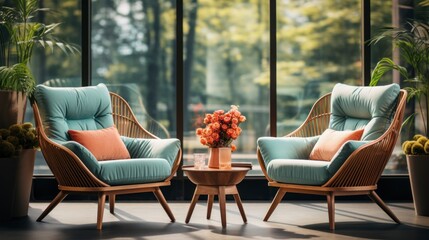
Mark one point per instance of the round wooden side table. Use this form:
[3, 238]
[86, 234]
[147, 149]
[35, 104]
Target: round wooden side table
[221, 182]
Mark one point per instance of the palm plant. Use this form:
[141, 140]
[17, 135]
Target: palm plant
[413, 44]
[19, 34]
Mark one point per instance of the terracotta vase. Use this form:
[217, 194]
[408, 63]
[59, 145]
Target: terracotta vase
[12, 107]
[220, 158]
[418, 166]
[15, 184]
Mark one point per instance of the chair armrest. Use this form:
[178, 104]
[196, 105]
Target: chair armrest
[153, 148]
[343, 153]
[84, 155]
[285, 147]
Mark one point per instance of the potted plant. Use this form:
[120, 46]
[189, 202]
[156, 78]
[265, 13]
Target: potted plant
[19, 34]
[18, 145]
[412, 41]
[222, 128]
[417, 153]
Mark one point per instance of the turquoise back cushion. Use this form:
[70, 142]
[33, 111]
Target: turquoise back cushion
[82, 108]
[371, 108]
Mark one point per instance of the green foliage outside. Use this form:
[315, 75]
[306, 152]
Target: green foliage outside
[133, 41]
[226, 54]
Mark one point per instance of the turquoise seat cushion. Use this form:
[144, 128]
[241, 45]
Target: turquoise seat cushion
[82, 108]
[309, 172]
[371, 108]
[134, 171]
[298, 171]
[150, 165]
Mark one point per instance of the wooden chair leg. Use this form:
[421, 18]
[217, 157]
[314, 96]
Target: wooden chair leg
[375, 198]
[210, 199]
[100, 211]
[331, 210]
[60, 196]
[164, 204]
[112, 199]
[277, 199]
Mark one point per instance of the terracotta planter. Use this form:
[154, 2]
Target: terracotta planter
[220, 158]
[418, 167]
[16, 175]
[12, 107]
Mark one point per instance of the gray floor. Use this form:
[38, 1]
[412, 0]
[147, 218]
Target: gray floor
[147, 220]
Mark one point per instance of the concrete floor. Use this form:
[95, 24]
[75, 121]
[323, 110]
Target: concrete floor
[147, 220]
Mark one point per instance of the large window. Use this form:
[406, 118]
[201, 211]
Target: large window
[226, 60]
[55, 68]
[393, 14]
[318, 45]
[133, 51]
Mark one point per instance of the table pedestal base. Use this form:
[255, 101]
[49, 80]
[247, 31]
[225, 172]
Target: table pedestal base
[221, 191]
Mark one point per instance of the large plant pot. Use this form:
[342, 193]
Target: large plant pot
[16, 175]
[418, 169]
[12, 107]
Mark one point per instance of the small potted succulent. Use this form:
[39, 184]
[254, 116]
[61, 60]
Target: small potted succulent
[18, 145]
[417, 152]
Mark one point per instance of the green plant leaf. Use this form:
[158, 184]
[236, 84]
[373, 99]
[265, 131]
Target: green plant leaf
[424, 3]
[383, 66]
[17, 78]
[408, 122]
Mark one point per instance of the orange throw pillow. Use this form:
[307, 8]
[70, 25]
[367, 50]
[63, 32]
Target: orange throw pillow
[104, 144]
[330, 142]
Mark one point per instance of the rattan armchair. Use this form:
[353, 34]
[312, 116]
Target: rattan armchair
[359, 173]
[74, 177]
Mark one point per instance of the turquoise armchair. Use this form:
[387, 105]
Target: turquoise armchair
[150, 162]
[357, 165]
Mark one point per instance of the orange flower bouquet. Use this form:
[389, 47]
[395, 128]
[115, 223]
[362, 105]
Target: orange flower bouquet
[221, 128]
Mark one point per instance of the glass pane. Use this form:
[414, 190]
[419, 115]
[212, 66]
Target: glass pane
[133, 54]
[381, 16]
[318, 44]
[397, 14]
[226, 63]
[55, 68]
